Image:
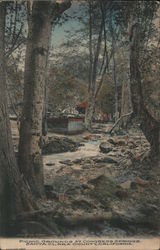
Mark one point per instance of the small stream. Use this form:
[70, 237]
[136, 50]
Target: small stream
[89, 149]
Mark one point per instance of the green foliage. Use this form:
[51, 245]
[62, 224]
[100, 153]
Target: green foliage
[65, 90]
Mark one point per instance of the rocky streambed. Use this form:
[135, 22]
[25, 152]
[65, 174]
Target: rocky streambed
[97, 184]
[109, 185]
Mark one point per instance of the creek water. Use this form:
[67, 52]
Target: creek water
[89, 149]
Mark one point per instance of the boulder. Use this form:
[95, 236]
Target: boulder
[105, 148]
[106, 160]
[60, 145]
[104, 189]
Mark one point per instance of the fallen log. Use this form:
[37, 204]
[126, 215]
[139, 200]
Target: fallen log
[83, 220]
[116, 123]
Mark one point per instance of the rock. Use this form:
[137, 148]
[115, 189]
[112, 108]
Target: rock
[105, 189]
[131, 145]
[87, 137]
[128, 163]
[120, 132]
[117, 142]
[109, 160]
[66, 162]
[87, 186]
[140, 182]
[134, 156]
[105, 160]
[104, 148]
[142, 217]
[111, 140]
[77, 161]
[145, 156]
[99, 165]
[60, 145]
[123, 150]
[126, 185]
[128, 220]
[114, 149]
[76, 169]
[121, 142]
[83, 203]
[150, 208]
[120, 193]
[50, 164]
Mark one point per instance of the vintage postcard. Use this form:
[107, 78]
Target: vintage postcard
[80, 124]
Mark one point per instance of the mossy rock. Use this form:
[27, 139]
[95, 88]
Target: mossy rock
[105, 189]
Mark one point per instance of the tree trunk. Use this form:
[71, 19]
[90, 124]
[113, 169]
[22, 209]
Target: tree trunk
[151, 130]
[126, 105]
[14, 195]
[115, 84]
[93, 69]
[30, 152]
[116, 115]
[30, 144]
[90, 112]
[149, 125]
[135, 75]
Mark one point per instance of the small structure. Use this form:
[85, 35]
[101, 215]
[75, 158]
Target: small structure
[66, 124]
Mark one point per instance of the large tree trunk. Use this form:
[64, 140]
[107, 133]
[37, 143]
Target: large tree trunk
[30, 144]
[30, 152]
[114, 71]
[14, 196]
[149, 125]
[151, 130]
[135, 75]
[90, 109]
[93, 69]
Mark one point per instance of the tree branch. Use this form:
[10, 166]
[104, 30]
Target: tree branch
[122, 116]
